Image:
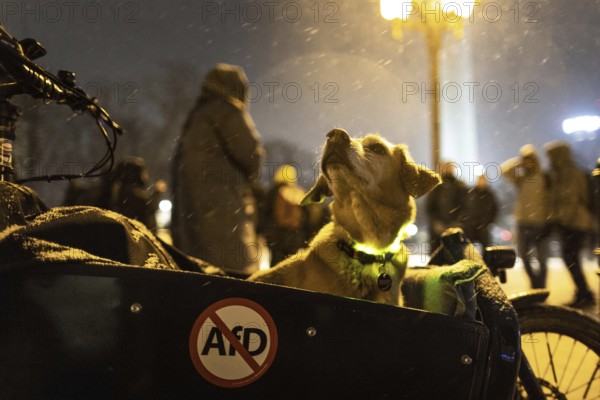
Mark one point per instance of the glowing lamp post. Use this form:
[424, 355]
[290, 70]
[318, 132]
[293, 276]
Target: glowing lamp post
[433, 18]
[582, 125]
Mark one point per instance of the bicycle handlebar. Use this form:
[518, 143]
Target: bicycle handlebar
[31, 79]
[454, 244]
[20, 75]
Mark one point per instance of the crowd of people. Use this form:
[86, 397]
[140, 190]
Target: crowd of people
[552, 204]
[452, 204]
[220, 209]
[126, 190]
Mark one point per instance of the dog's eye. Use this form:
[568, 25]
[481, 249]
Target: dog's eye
[376, 148]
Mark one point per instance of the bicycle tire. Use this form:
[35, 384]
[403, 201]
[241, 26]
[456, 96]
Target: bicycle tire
[562, 346]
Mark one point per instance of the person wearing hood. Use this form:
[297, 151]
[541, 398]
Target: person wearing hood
[129, 193]
[446, 204]
[481, 211]
[530, 211]
[569, 213]
[286, 221]
[215, 165]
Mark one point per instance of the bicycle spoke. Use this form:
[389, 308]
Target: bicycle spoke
[553, 352]
[558, 377]
[587, 385]
[567, 365]
[587, 350]
[551, 360]
[587, 389]
[535, 357]
[566, 368]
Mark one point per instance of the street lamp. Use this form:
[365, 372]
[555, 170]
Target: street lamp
[433, 18]
[584, 123]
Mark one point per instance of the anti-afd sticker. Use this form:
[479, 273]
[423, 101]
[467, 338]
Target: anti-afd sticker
[233, 342]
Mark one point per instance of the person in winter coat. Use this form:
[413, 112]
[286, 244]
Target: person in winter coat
[569, 213]
[530, 211]
[126, 190]
[216, 161]
[481, 211]
[129, 193]
[445, 204]
[286, 221]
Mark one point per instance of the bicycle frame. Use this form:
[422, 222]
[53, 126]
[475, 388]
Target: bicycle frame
[115, 332]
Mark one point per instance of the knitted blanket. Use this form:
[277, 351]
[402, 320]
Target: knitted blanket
[447, 290]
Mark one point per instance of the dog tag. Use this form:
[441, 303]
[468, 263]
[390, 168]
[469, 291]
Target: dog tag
[384, 282]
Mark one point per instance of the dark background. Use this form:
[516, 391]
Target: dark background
[314, 65]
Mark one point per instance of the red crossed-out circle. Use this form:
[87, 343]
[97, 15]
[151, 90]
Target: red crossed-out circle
[227, 376]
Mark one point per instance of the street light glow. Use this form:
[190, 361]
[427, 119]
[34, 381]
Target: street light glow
[432, 17]
[165, 206]
[584, 123]
[411, 230]
[463, 10]
[399, 9]
[392, 9]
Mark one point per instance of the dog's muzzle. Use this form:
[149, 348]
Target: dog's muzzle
[338, 135]
[336, 149]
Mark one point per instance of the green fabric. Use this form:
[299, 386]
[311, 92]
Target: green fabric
[447, 290]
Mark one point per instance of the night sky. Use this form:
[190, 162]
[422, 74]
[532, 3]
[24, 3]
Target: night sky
[315, 65]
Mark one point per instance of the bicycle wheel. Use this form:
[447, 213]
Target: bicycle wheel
[562, 346]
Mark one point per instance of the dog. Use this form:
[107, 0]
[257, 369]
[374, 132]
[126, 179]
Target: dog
[360, 253]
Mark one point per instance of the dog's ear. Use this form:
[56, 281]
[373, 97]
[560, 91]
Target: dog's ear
[417, 179]
[318, 192]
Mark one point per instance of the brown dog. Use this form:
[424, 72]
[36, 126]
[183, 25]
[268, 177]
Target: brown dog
[360, 253]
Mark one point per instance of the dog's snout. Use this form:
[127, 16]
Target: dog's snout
[338, 135]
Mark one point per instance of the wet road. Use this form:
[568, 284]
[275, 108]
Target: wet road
[562, 288]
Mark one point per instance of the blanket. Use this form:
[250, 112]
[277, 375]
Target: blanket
[447, 289]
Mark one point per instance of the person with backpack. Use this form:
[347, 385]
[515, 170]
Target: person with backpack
[285, 220]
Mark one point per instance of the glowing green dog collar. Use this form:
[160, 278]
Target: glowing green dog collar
[361, 256]
[384, 281]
